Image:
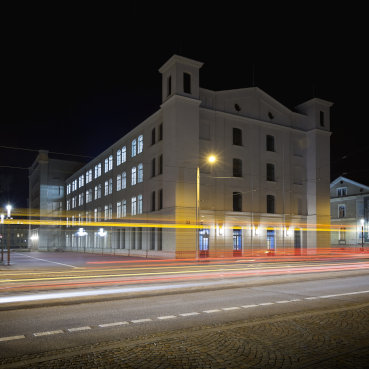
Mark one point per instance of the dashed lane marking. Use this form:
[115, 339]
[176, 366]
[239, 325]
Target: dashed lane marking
[231, 308]
[283, 302]
[77, 329]
[167, 317]
[49, 333]
[211, 311]
[266, 303]
[112, 324]
[248, 306]
[11, 338]
[141, 320]
[189, 314]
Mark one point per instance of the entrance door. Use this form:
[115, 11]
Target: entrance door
[237, 242]
[204, 243]
[297, 243]
[271, 241]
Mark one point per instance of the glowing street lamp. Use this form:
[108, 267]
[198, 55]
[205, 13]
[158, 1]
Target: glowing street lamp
[211, 159]
[362, 233]
[9, 211]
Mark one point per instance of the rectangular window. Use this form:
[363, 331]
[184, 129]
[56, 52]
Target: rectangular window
[96, 193]
[186, 83]
[160, 199]
[119, 209]
[270, 172]
[119, 157]
[153, 200]
[81, 181]
[161, 164]
[110, 162]
[106, 188]
[237, 201]
[153, 164]
[124, 208]
[153, 136]
[68, 189]
[110, 186]
[342, 191]
[321, 118]
[160, 131]
[68, 204]
[134, 148]
[342, 236]
[270, 143]
[152, 238]
[139, 204]
[119, 182]
[124, 180]
[124, 154]
[160, 239]
[169, 86]
[133, 238]
[140, 144]
[133, 205]
[237, 168]
[139, 238]
[237, 136]
[133, 176]
[140, 173]
[106, 166]
[106, 212]
[270, 204]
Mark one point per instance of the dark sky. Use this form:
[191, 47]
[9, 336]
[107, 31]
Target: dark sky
[76, 80]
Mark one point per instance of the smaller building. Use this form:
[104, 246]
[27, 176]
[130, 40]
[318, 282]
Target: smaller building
[349, 213]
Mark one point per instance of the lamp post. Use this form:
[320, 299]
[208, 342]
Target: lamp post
[362, 233]
[211, 159]
[2, 237]
[8, 210]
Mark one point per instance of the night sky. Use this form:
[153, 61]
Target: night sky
[76, 80]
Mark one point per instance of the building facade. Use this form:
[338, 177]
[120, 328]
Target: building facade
[349, 213]
[154, 193]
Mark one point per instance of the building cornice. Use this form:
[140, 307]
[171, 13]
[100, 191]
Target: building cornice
[175, 98]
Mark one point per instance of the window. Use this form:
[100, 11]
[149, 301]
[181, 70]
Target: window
[106, 188]
[270, 143]
[98, 191]
[68, 189]
[68, 204]
[81, 181]
[341, 211]
[139, 204]
[160, 131]
[153, 136]
[124, 154]
[134, 148]
[119, 182]
[169, 86]
[124, 208]
[342, 191]
[186, 83]
[153, 164]
[160, 239]
[152, 238]
[106, 167]
[237, 168]
[124, 180]
[270, 204]
[342, 236]
[153, 201]
[160, 199]
[80, 199]
[134, 205]
[119, 157]
[161, 164]
[74, 185]
[74, 202]
[98, 170]
[270, 172]
[88, 196]
[110, 162]
[237, 239]
[89, 176]
[140, 173]
[237, 136]
[110, 213]
[119, 209]
[140, 144]
[106, 212]
[321, 118]
[237, 201]
[110, 186]
[133, 177]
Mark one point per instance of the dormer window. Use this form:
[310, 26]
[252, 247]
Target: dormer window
[186, 83]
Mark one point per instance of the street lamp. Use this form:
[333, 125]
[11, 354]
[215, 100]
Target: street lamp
[211, 159]
[2, 237]
[8, 210]
[362, 233]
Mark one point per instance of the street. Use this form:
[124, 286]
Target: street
[214, 324]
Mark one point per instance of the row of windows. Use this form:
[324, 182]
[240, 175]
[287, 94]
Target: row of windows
[160, 134]
[136, 148]
[237, 139]
[237, 170]
[237, 202]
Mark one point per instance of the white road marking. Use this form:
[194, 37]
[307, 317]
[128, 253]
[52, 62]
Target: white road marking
[211, 311]
[112, 324]
[312, 298]
[266, 303]
[248, 306]
[167, 317]
[293, 300]
[231, 308]
[189, 314]
[141, 320]
[11, 338]
[282, 302]
[48, 261]
[39, 334]
[343, 294]
[77, 329]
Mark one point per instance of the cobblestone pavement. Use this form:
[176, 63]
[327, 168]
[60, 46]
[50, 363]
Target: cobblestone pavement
[335, 338]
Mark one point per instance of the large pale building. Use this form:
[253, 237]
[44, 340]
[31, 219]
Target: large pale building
[154, 192]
